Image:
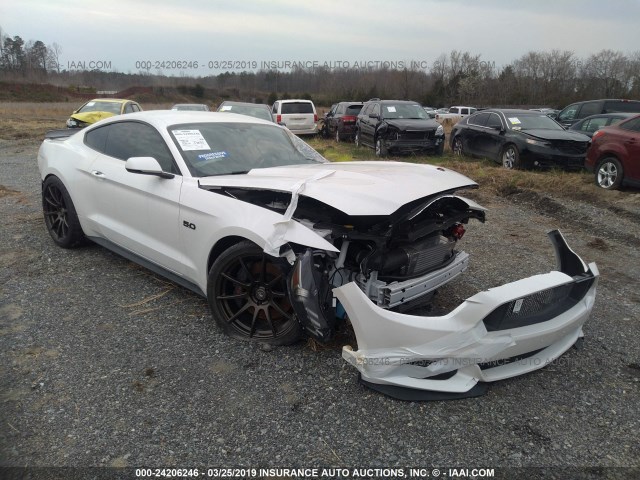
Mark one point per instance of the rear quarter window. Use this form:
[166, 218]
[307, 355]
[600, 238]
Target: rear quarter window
[620, 106]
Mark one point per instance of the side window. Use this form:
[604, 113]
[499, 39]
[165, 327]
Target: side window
[590, 108]
[633, 125]
[376, 109]
[340, 110]
[616, 106]
[366, 109]
[128, 108]
[97, 138]
[135, 139]
[275, 108]
[568, 113]
[594, 124]
[478, 120]
[464, 111]
[494, 121]
[135, 107]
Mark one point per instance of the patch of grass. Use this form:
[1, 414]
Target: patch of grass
[31, 120]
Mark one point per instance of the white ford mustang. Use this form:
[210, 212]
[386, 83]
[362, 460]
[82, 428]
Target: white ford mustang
[283, 243]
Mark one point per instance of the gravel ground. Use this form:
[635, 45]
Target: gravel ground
[106, 364]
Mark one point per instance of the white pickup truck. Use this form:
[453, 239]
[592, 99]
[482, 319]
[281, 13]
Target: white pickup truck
[455, 114]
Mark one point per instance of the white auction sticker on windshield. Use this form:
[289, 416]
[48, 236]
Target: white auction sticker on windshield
[191, 140]
[391, 109]
[514, 120]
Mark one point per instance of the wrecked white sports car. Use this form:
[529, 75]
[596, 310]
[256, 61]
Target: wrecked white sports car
[283, 243]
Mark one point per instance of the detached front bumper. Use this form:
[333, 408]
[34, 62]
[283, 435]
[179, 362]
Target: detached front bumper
[496, 334]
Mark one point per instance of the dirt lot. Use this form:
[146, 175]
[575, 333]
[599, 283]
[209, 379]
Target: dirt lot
[106, 364]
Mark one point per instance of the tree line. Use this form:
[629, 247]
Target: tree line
[541, 78]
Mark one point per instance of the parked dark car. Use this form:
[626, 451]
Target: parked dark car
[398, 126]
[340, 121]
[256, 110]
[614, 155]
[519, 138]
[591, 124]
[579, 110]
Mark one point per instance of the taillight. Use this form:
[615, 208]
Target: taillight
[278, 118]
[348, 119]
[457, 231]
[598, 133]
[315, 117]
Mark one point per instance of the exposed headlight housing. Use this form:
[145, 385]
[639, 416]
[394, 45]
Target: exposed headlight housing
[72, 123]
[440, 130]
[539, 143]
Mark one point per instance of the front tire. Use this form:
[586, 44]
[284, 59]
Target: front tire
[381, 149]
[609, 173]
[510, 157]
[60, 215]
[247, 292]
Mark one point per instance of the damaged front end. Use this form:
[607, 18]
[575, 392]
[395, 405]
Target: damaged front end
[396, 262]
[496, 334]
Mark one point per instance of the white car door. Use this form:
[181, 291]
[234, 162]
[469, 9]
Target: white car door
[139, 213]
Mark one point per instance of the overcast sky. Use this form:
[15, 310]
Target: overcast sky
[120, 33]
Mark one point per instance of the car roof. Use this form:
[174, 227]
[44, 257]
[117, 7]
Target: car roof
[289, 100]
[161, 119]
[189, 104]
[233, 102]
[114, 100]
[395, 101]
[511, 111]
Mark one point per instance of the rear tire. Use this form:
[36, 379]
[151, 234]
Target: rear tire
[609, 173]
[60, 215]
[247, 293]
[457, 147]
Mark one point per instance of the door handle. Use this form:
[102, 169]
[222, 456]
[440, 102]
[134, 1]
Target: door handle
[98, 173]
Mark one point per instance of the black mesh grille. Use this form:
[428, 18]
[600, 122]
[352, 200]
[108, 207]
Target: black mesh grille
[538, 307]
[570, 146]
[428, 135]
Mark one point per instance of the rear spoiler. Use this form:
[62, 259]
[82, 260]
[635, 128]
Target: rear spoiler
[62, 133]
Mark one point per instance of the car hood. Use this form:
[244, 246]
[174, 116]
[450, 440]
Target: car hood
[355, 188]
[412, 123]
[91, 117]
[556, 135]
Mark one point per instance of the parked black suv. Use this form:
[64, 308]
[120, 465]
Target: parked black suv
[579, 110]
[398, 126]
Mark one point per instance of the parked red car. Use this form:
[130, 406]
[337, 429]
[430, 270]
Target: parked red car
[614, 155]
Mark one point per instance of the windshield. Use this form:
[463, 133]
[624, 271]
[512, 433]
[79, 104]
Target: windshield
[227, 148]
[521, 121]
[403, 110]
[252, 111]
[111, 107]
